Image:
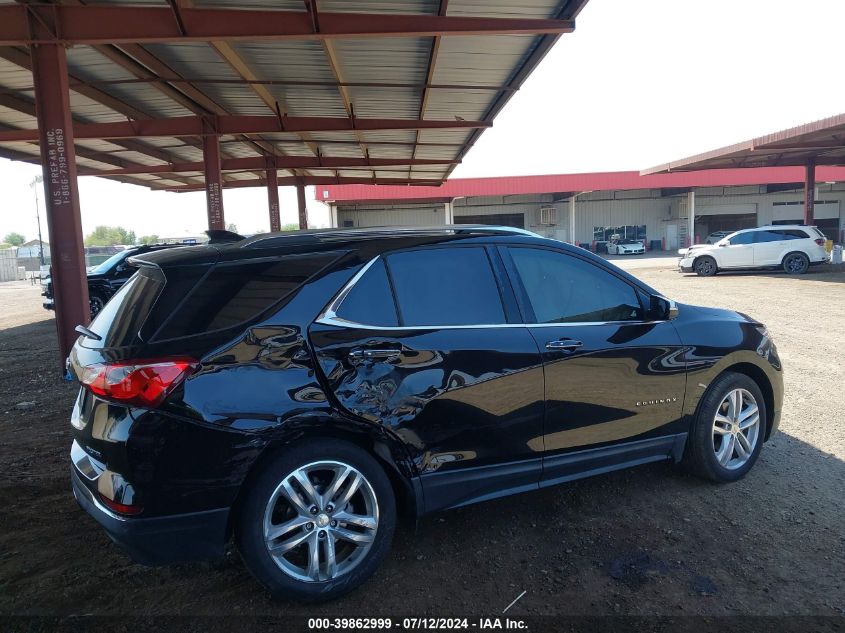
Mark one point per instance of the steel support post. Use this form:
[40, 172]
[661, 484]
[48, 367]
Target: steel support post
[691, 218]
[300, 203]
[809, 191]
[273, 200]
[64, 221]
[213, 182]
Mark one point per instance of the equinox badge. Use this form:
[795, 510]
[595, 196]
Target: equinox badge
[645, 403]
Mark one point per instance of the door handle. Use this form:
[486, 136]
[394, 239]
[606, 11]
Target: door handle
[564, 344]
[365, 354]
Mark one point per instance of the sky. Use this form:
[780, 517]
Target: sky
[637, 84]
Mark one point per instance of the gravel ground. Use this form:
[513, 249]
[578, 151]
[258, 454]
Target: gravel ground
[640, 542]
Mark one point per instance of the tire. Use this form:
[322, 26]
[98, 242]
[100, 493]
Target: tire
[96, 302]
[796, 263]
[705, 452]
[267, 506]
[705, 266]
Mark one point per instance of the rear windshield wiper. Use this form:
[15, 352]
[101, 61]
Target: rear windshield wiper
[84, 331]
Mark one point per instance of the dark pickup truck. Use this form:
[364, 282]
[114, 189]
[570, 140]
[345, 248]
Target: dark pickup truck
[105, 279]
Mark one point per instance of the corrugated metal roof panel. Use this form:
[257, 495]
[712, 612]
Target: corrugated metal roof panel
[505, 8]
[308, 84]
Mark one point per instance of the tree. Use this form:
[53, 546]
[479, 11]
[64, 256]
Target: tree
[14, 239]
[109, 236]
[290, 227]
[232, 227]
[148, 239]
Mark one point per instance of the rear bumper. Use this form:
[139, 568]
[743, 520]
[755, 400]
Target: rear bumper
[158, 540]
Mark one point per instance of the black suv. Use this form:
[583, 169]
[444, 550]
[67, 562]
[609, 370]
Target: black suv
[299, 391]
[104, 279]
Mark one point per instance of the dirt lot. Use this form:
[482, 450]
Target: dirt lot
[645, 541]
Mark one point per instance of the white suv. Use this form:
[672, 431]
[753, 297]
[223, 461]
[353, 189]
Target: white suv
[792, 247]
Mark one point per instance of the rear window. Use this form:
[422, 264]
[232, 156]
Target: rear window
[119, 322]
[233, 293]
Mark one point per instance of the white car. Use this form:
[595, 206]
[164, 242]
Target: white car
[792, 247]
[626, 247]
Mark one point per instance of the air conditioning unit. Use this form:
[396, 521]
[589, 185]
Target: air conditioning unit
[548, 216]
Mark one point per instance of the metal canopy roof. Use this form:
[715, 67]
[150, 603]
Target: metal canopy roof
[328, 91]
[818, 143]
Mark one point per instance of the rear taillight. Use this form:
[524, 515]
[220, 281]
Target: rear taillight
[820, 241]
[144, 383]
[122, 508]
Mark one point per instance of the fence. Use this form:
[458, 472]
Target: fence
[9, 265]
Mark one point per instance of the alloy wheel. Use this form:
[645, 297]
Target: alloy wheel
[96, 304]
[704, 266]
[321, 521]
[795, 264]
[736, 429]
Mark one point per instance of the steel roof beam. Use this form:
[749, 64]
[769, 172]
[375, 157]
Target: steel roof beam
[131, 24]
[258, 162]
[311, 180]
[234, 125]
[304, 83]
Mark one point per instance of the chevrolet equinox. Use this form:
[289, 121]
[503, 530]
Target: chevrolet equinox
[297, 393]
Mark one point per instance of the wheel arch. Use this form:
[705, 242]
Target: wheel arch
[387, 450]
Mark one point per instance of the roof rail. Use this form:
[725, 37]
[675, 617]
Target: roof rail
[338, 234]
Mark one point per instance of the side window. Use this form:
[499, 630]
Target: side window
[370, 301]
[234, 293]
[445, 286]
[793, 234]
[565, 289]
[742, 238]
[761, 237]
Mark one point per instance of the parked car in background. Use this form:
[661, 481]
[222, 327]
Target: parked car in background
[793, 247]
[625, 247]
[298, 392]
[715, 236]
[104, 279]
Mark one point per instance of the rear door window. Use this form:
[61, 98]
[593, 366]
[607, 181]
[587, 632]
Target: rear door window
[445, 286]
[234, 293]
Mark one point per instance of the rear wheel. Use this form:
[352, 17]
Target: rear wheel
[705, 266]
[728, 431]
[318, 521]
[796, 263]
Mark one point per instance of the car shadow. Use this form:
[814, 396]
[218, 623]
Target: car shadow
[825, 273]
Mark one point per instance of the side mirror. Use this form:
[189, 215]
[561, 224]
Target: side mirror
[724, 244]
[661, 308]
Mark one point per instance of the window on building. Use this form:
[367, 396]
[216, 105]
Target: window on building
[626, 232]
[564, 289]
[445, 286]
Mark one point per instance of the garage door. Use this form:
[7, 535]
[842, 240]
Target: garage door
[516, 220]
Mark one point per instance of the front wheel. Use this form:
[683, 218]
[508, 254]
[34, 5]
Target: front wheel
[728, 431]
[95, 304]
[705, 266]
[318, 521]
[796, 263]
